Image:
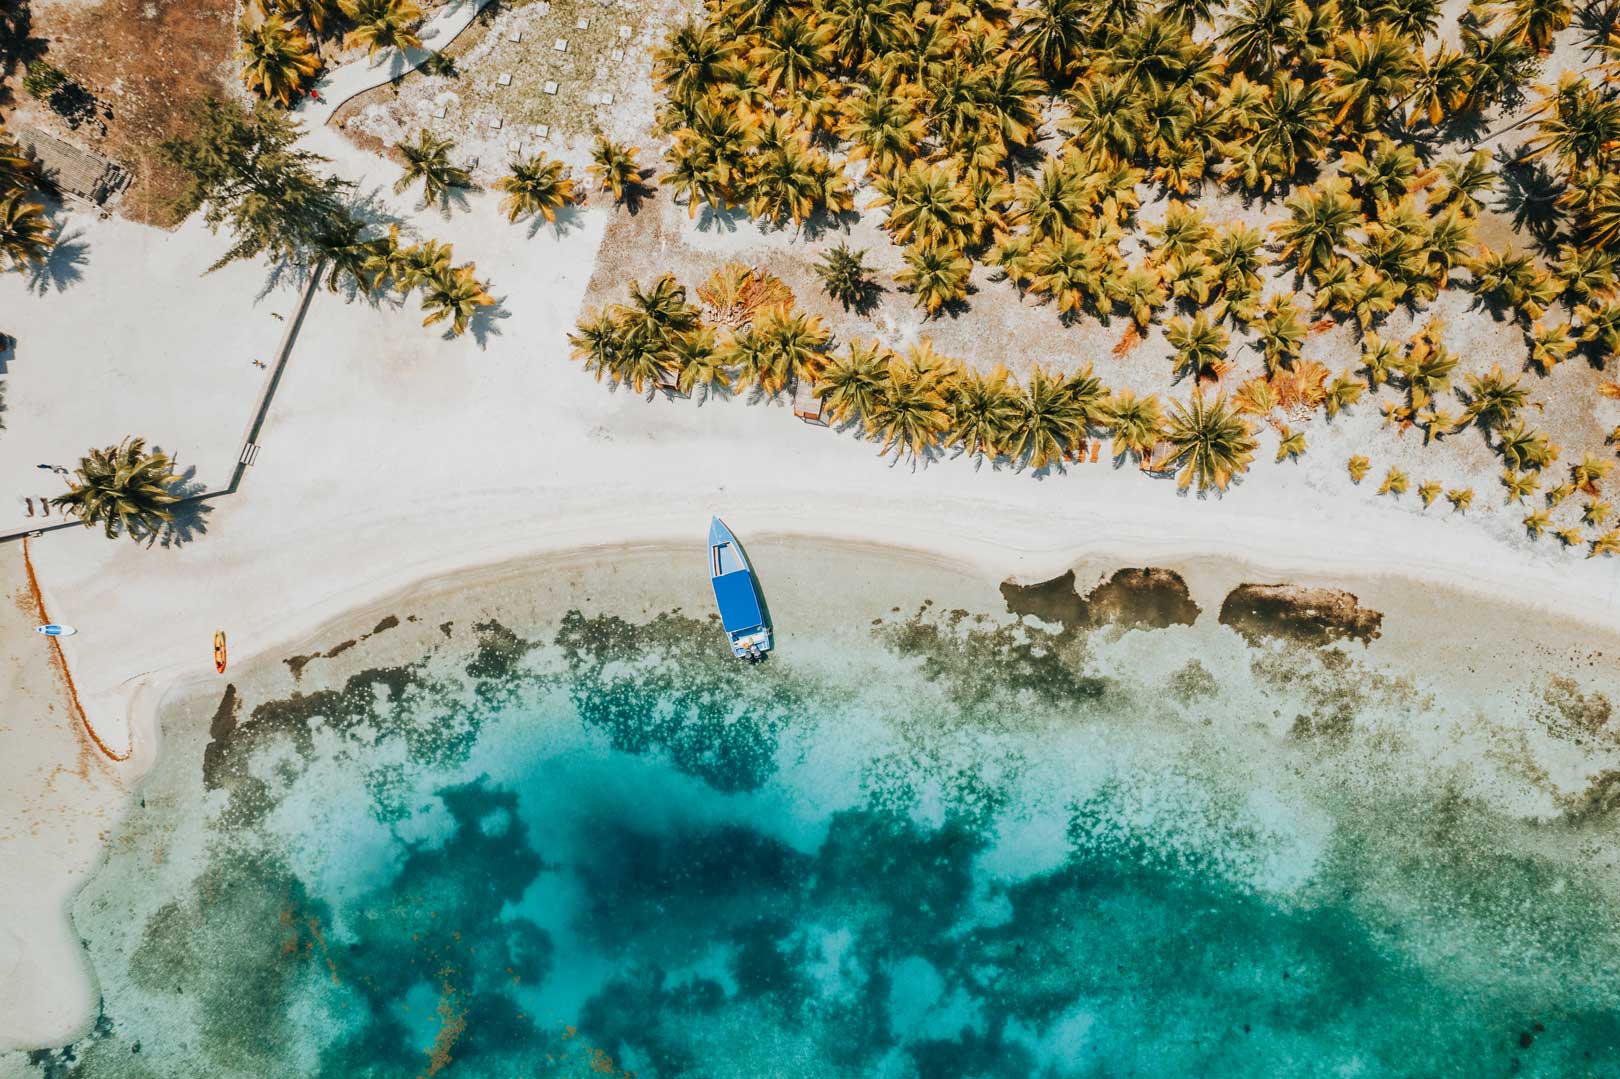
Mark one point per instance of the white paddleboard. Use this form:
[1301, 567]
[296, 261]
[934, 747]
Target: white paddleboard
[54, 630]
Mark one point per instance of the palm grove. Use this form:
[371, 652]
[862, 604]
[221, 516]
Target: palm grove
[1023, 140]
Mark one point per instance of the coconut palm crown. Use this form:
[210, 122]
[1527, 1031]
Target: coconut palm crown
[124, 489]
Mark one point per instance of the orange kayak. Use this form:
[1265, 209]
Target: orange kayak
[219, 651]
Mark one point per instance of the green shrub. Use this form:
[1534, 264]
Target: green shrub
[42, 79]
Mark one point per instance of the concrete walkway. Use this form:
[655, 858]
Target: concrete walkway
[337, 87]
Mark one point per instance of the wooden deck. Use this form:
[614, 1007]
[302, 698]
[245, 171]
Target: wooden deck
[806, 405]
[73, 172]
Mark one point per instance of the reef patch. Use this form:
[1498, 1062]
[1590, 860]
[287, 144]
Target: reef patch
[1299, 614]
[1133, 598]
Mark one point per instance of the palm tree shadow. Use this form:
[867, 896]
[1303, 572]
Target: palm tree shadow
[190, 514]
[485, 323]
[294, 274]
[454, 198]
[567, 221]
[371, 208]
[1529, 194]
[822, 222]
[638, 192]
[63, 264]
[713, 391]
[722, 220]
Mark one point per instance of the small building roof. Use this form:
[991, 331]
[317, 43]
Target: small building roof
[70, 169]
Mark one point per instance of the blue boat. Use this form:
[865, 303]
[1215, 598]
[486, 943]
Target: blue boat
[737, 594]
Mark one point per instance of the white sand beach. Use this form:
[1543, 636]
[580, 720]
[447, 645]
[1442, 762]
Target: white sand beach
[391, 457]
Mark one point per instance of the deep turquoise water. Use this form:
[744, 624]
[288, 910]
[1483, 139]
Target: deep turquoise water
[963, 850]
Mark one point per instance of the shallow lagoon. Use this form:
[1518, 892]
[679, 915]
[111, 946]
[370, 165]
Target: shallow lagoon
[548, 827]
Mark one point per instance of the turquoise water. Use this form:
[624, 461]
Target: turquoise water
[962, 849]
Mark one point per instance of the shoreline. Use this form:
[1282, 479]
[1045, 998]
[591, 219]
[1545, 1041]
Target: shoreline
[1394, 590]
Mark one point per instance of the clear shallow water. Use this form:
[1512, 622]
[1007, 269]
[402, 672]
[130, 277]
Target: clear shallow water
[953, 848]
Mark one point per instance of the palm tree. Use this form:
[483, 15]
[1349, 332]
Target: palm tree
[420, 263]
[1520, 485]
[123, 488]
[1105, 118]
[1579, 124]
[276, 59]
[1051, 202]
[1344, 391]
[694, 59]
[1462, 180]
[1369, 70]
[17, 170]
[350, 255]
[1137, 423]
[614, 167]
[382, 24]
[700, 364]
[535, 186]
[843, 273]
[1550, 345]
[1141, 290]
[926, 204]
[1281, 329]
[1257, 35]
[861, 28]
[937, 273]
[1052, 33]
[984, 411]
[1050, 421]
[909, 414]
[1212, 442]
[1290, 127]
[1320, 218]
[787, 183]
[1200, 346]
[792, 52]
[884, 125]
[1590, 472]
[1493, 399]
[428, 160]
[849, 385]
[315, 13]
[25, 231]
[797, 343]
[1524, 448]
[456, 296]
[1439, 87]
[1534, 22]
[598, 343]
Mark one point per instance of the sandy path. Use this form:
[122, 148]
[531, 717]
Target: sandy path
[358, 76]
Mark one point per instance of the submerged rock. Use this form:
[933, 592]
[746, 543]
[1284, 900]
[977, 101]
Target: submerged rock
[1295, 613]
[1144, 598]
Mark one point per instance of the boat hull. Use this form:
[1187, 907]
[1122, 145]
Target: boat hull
[736, 593]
